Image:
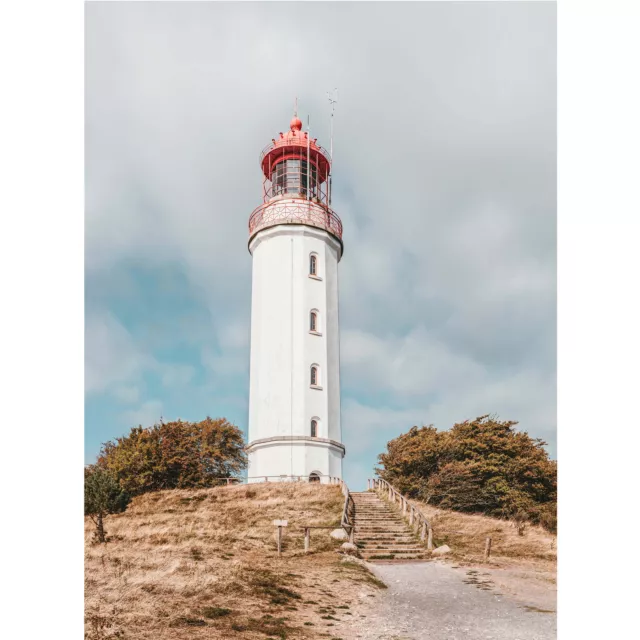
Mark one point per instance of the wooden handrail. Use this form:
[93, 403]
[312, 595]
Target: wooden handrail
[414, 516]
[347, 521]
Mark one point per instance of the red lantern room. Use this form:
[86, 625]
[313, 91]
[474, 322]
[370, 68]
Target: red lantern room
[296, 184]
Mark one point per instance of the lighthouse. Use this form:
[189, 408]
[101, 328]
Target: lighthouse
[295, 240]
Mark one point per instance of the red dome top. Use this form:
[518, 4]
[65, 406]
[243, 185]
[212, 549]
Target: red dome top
[295, 142]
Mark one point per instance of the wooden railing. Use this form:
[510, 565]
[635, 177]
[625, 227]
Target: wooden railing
[347, 521]
[414, 516]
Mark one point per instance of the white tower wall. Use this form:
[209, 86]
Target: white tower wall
[282, 401]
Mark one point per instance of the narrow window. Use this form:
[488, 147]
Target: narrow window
[313, 265]
[314, 428]
[313, 321]
[314, 376]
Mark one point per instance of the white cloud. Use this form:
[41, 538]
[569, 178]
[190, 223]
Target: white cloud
[177, 375]
[234, 335]
[126, 394]
[147, 414]
[111, 355]
[413, 364]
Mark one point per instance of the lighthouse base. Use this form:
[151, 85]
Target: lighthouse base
[287, 458]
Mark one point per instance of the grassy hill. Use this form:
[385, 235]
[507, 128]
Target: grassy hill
[466, 534]
[203, 564]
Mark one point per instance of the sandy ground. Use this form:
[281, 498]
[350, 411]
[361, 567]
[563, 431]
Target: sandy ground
[436, 601]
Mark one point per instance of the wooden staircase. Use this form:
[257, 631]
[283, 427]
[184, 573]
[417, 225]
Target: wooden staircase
[381, 532]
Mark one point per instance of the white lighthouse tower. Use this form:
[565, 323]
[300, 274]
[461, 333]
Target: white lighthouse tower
[295, 240]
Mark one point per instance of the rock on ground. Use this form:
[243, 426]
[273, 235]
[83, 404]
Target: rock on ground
[339, 534]
[349, 547]
[441, 551]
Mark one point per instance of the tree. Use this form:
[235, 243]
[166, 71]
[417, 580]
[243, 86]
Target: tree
[482, 465]
[102, 496]
[175, 455]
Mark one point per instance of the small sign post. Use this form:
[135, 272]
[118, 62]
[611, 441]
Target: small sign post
[280, 524]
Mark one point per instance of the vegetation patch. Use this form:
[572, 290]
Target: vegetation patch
[186, 621]
[266, 584]
[478, 466]
[537, 610]
[269, 626]
[215, 612]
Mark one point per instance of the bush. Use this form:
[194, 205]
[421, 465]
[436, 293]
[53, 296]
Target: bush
[175, 455]
[102, 496]
[481, 466]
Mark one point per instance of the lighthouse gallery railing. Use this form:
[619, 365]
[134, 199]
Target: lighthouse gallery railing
[295, 211]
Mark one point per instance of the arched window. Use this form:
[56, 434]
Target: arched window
[314, 428]
[313, 265]
[314, 477]
[315, 376]
[313, 321]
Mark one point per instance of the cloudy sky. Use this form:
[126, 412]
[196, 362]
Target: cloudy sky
[445, 163]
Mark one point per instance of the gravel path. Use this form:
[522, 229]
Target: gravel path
[435, 602]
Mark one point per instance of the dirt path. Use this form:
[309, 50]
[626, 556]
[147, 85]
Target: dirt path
[433, 601]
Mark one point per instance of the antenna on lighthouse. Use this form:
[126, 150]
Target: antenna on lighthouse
[333, 100]
[308, 155]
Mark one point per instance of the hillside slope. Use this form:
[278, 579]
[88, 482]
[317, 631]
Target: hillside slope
[203, 564]
[466, 533]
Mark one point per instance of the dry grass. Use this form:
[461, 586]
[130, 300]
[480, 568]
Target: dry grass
[203, 564]
[466, 535]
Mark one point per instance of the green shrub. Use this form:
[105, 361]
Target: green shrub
[175, 455]
[102, 496]
[478, 466]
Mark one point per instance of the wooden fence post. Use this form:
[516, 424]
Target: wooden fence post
[307, 536]
[430, 539]
[423, 531]
[404, 507]
[280, 524]
[411, 517]
[487, 549]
